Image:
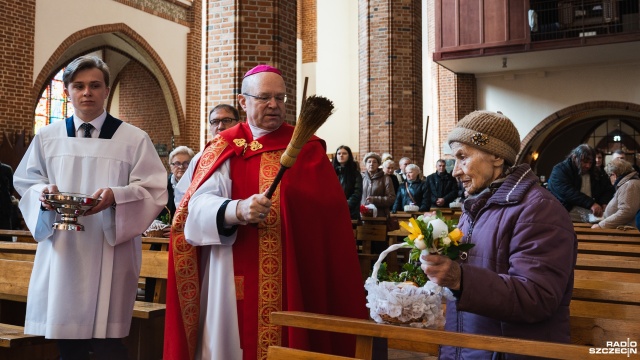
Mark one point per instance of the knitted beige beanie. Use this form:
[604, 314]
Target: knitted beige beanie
[373, 155]
[490, 132]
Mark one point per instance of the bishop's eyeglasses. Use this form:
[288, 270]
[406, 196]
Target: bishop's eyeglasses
[263, 99]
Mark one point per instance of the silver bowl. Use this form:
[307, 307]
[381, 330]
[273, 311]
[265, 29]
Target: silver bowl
[70, 206]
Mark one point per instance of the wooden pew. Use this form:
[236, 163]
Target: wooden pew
[581, 225]
[367, 330]
[608, 238]
[154, 265]
[604, 248]
[163, 242]
[20, 235]
[17, 250]
[606, 290]
[632, 235]
[608, 263]
[596, 323]
[366, 235]
[145, 338]
[14, 344]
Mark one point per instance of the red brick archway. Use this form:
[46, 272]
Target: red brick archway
[138, 42]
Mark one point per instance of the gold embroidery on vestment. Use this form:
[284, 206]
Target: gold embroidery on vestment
[270, 283]
[185, 258]
[239, 281]
[254, 145]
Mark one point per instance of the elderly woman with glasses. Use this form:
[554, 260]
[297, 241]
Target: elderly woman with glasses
[622, 209]
[179, 160]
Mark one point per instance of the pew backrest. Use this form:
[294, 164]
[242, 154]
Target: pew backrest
[366, 330]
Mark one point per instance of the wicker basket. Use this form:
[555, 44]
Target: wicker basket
[155, 233]
[404, 304]
[159, 232]
[394, 320]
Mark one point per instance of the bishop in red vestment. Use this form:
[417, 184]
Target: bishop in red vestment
[237, 256]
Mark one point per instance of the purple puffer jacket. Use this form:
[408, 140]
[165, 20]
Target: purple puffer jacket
[518, 279]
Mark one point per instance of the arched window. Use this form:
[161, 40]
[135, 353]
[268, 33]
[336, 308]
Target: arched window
[53, 104]
[613, 134]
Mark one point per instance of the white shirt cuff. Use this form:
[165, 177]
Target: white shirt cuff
[230, 218]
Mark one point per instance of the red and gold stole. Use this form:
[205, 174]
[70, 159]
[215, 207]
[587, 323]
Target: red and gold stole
[183, 264]
[183, 286]
[270, 277]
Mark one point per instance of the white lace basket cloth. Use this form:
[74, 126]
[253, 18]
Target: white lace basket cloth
[395, 303]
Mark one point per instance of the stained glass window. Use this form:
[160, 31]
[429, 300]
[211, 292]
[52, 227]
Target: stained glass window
[53, 104]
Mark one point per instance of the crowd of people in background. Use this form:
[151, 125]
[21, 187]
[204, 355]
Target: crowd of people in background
[390, 189]
[503, 205]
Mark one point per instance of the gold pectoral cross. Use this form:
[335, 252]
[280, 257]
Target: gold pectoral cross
[254, 145]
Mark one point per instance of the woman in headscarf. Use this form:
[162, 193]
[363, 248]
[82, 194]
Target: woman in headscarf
[377, 188]
[518, 279]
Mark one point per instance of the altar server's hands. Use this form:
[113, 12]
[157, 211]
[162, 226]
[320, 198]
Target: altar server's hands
[107, 200]
[49, 189]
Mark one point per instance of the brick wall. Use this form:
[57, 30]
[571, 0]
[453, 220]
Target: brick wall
[190, 126]
[390, 34]
[457, 97]
[222, 76]
[142, 104]
[17, 28]
[265, 34]
[308, 24]
[268, 35]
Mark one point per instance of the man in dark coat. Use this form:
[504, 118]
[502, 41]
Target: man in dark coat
[575, 183]
[8, 213]
[442, 186]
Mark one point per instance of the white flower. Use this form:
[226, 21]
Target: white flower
[446, 241]
[419, 242]
[440, 229]
[426, 219]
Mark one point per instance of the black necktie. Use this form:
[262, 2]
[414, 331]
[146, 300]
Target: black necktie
[87, 129]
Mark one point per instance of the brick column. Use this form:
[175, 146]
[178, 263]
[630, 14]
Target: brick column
[390, 43]
[308, 30]
[453, 96]
[457, 97]
[241, 34]
[190, 134]
[16, 53]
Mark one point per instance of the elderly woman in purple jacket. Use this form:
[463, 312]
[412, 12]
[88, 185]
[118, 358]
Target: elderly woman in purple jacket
[517, 281]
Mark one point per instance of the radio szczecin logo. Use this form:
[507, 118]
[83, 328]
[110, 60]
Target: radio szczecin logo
[617, 347]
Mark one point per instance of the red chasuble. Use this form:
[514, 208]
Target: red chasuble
[301, 258]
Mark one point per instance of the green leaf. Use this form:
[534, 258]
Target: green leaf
[465, 246]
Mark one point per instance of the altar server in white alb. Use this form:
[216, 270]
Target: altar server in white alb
[83, 285]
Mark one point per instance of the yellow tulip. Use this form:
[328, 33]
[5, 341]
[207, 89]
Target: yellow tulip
[413, 228]
[455, 235]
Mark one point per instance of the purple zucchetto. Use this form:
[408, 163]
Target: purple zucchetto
[262, 68]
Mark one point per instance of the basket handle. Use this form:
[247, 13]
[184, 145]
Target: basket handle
[394, 247]
[169, 213]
